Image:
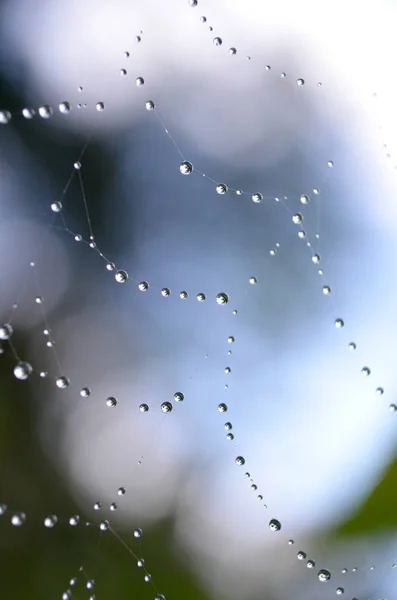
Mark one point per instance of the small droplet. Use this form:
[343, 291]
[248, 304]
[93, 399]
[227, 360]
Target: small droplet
[77, 165]
[316, 258]
[147, 577]
[227, 370]
[301, 555]
[240, 461]
[392, 407]
[203, 19]
[100, 106]
[326, 290]
[159, 597]
[121, 276]
[297, 218]
[201, 297]
[113, 506]
[222, 407]
[330, 163]
[56, 206]
[179, 397]
[283, 75]
[221, 188]
[28, 113]
[232, 51]
[291, 542]
[123, 72]
[257, 198]
[302, 234]
[111, 401]
[18, 519]
[379, 391]
[253, 280]
[150, 105]
[45, 111]
[316, 191]
[324, 575]
[183, 295]
[143, 408]
[62, 382]
[97, 505]
[228, 426]
[139, 81]
[310, 564]
[3, 509]
[217, 41]
[300, 82]
[165, 292]
[138, 39]
[186, 167]
[64, 108]
[143, 286]
[340, 591]
[268, 67]
[274, 525]
[166, 407]
[74, 520]
[192, 3]
[110, 266]
[78, 237]
[85, 392]
[304, 199]
[272, 252]
[39, 300]
[138, 533]
[339, 323]
[23, 370]
[50, 521]
[6, 331]
[140, 562]
[352, 346]
[239, 192]
[90, 584]
[366, 371]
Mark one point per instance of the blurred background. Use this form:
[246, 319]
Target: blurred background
[319, 442]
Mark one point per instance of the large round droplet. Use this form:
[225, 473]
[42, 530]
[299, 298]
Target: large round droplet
[111, 402]
[179, 397]
[50, 521]
[139, 81]
[100, 106]
[138, 532]
[300, 82]
[45, 111]
[310, 564]
[257, 198]
[56, 206]
[201, 297]
[121, 491]
[121, 276]
[222, 407]
[23, 370]
[232, 51]
[339, 323]
[240, 461]
[301, 555]
[62, 382]
[326, 290]
[183, 295]
[297, 218]
[165, 292]
[64, 108]
[274, 525]
[253, 280]
[221, 188]
[143, 286]
[186, 167]
[218, 41]
[222, 298]
[85, 392]
[166, 407]
[366, 371]
[150, 105]
[324, 575]
[143, 408]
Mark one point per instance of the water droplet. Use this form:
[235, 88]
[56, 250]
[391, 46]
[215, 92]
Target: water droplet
[23, 370]
[183, 295]
[222, 407]
[28, 113]
[3, 509]
[45, 111]
[165, 292]
[392, 407]
[330, 163]
[272, 252]
[316, 191]
[159, 597]
[240, 461]
[143, 408]
[352, 346]
[138, 533]
[192, 3]
[257, 197]
[301, 555]
[316, 258]
[85, 392]
[228, 426]
[297, 218]
[18, 519]
[143, 286]
[147, 577]
[97, 505]
[6, 331]
[123, 72]
[73, 581]
[218, 41]
[302, 234]
[90, 584]
[268, 67]
[232, 51]
[227, 370]
[221, 188]
[179, 397]
[310, 564]
[379, 391]
[150, 105]
[62, 382]
[253, 280]
[291, 542]
[78, 237]
[56, 206]
[230, 339]
[166, 407]
[139, 81]
[100, 106]
[203, 19]
[340, 591]
[339, 323]
[138, 39]
[121, 276]
[326, 290]
[121, 491]
[274, 525]
[74, 520]
[186, 167]
[201, 297]
[283, 75]
[230, 436]
[140, 562]
[64, 108]
[300, 82]
[324, 575]
[239, 192]
[50, 521]
[39, 300]
[304, 199]
[113, 506]
[366, 371]
[111, 402]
